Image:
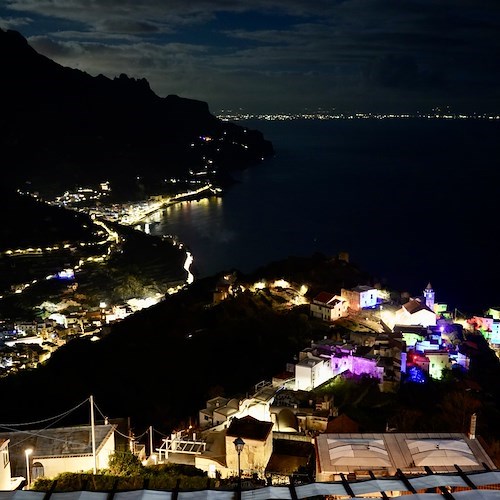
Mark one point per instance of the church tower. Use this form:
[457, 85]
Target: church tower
[429, 297]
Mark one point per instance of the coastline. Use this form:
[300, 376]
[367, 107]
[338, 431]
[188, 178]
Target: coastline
[357, 170]
[141, 211]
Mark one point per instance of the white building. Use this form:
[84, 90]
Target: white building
[328, 306]
[312, 371]
[7, 482]
[215, 451]
[206, 415]
[221, 411]
[415, 312]
[57, 450]
[360, 297]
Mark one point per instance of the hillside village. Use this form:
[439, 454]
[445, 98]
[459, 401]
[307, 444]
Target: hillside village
[378, 402]
[416, 339]
[294, 426]
[291, 426]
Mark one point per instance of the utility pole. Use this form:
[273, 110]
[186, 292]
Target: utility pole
[92, 424]
[151, 449]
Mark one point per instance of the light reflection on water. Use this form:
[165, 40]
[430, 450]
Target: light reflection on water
[203, 226]
[395, 195]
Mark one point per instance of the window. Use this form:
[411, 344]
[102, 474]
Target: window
[37, 471]
[5, 457]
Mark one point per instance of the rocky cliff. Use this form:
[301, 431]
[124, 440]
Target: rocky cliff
[61, 127]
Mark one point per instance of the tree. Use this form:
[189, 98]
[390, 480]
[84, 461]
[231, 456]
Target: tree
[125, 463]
[457, 408]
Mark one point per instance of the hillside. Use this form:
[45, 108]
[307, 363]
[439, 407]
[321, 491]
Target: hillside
[160, 365]
[62, 127]
[38, 240]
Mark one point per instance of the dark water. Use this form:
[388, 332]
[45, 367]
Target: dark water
[412, 201]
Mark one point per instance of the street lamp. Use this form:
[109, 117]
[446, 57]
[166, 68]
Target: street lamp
[28, 452]
[239, 444]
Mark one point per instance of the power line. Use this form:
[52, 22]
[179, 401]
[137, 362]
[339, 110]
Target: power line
[37, 434]
[60, 416]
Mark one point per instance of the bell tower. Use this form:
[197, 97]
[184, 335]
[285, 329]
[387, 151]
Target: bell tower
[429, 296]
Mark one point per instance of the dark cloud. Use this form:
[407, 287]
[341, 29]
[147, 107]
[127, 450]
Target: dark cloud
[259, 54]
[7, 23]
[403, 72]
[128, 26]
[57, 50]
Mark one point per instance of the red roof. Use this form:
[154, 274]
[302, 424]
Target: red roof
[324, 297]
[414, 306]
[250, 428]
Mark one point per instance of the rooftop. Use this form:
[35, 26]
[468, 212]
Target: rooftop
[249, 428]
[409, 452]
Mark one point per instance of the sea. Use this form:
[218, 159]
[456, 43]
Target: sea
[412, 202]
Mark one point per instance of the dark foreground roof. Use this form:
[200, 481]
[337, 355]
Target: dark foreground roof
[460, 486]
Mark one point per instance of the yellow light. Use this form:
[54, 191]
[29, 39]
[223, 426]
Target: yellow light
[281, 284]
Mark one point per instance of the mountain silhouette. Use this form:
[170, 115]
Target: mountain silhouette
[62, 127]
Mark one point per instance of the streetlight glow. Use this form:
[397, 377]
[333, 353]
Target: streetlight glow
[239, 444]
[28, 452]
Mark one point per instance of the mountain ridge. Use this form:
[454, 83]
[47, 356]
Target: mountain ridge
[61, 125]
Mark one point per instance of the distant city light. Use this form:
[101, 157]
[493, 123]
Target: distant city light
[66, 274]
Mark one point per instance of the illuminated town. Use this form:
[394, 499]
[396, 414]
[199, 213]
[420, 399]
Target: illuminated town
[367, 336]
[421, 337]
[370, 337]
[130, 372]
[436, 114]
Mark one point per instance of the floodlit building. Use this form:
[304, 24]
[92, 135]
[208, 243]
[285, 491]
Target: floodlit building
[4, 465]
[7, 482]
[206, 415]
[258, 448]
[214, 452]
[483, 323]
[411, 334]
[327, 358]
[328, 306]
[57, 450]
[429, 297]
[438, 361]
[220, 411]
[415, 312]
[495, 333]
[360, 297]
[312, 371]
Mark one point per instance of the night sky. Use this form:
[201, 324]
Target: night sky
[281, 55]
